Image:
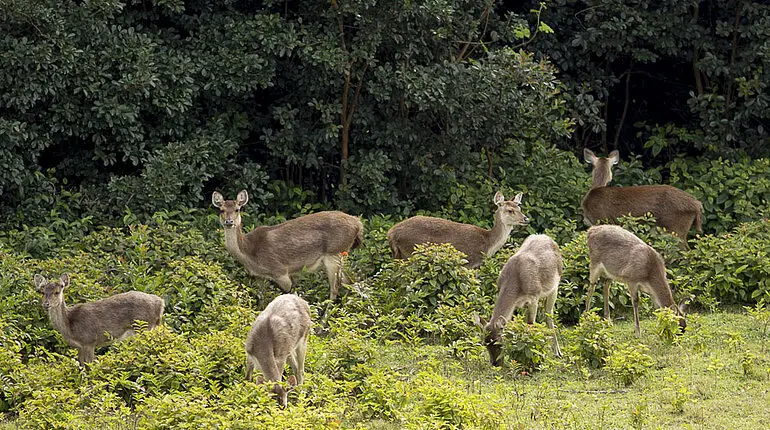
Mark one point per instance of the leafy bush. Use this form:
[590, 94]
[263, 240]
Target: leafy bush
[431, 295]
[730, 268]
[527, 346]
[627, 363]
[590, 340]
[667, 327]
[731, 192]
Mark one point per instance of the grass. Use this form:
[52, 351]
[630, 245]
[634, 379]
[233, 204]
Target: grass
[698, 383]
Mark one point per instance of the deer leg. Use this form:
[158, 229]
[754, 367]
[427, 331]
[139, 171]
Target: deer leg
[85, 355]
[550, 300]
[249, 367]
[284, 283]
[635, 302]
[298, 361]
[333, 265]
[531, 312]
[593, 278]
[606, 292]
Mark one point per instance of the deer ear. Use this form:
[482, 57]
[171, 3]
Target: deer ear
[217, 199]
[242, 199]
[684, 304]
[65, 280]
[39, 281]
[479, 321]
[498, 323]
[614, 157]
[499, 198]
[517, 199]
[260, 380]
[589, 156]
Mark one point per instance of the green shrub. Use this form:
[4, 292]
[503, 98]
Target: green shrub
[667, 327]
[731, 192]
[527, 346]
[732, 267]
[627, 363]
[590, 340]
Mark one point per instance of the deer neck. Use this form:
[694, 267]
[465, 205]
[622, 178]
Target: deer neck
[498, 235]
[601, 177]
[234, 242]
[59, 316]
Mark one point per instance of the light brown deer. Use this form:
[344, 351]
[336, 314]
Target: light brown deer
[617, 254]
[279, 333]
[532, 273]
[279, 251]
[87, 326]
[475, 242]
[673, 209]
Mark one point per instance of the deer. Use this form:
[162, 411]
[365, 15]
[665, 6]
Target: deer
[87, 326]
[532, 273]
[279, 251]
[617, 254]
[280, 332]
[673, 209]
[475, 242]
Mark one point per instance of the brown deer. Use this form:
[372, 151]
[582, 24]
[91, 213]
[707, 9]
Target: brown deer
[278, 333]
[276, 252]
[475, 242]
[87, 326]
[532, 273]
[617, 254]
[673, 209]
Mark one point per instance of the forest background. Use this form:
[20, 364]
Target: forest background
[119, 118]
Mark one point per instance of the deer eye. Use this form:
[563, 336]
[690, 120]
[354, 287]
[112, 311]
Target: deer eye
[221, 211]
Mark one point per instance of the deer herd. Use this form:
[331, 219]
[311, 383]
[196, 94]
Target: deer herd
[278, 252]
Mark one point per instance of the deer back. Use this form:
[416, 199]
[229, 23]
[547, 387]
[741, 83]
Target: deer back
[630, 260]
[277, 331]
[89, 322]
[666, 203]
[533, 272]
[466, 238]
[303, 241]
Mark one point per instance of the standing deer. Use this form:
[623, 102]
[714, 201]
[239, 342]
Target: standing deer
[279, 251]
[673, 209]
[532, 273]
[618, 254]
[475, 242]
[278, 333]
[87, 326]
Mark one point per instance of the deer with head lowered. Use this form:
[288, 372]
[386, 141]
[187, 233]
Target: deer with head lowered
[279, 251]
[87, 326]
[475, 242]
[673, 209]
[617, 254]
[532, 273]
[279, 333]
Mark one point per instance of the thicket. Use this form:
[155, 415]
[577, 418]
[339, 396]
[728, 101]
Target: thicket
[373, 107]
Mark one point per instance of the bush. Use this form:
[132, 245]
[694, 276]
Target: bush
[730, 268]
[590, 340]
[627, 363]
[732, 192]
[527, 346]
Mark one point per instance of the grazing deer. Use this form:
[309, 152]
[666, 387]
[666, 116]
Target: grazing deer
[532, 273]
[279, 251]
[673, 209]
[278, 333]
[473, 241]
[87, 326]
[617, 254]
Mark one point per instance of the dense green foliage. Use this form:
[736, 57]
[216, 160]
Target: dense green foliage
[118, 118]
